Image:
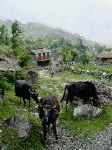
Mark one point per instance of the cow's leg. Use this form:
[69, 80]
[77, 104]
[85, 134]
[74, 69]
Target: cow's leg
[29, 102]
[54, 130]
[66, 104]
[44, 129]
[24, 102]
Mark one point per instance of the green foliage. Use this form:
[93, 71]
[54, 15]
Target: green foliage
[88, 125]
[80, 45]
[6, 50]
[5, 82]
[64, 53]
[24, 58]
[20, 75]
[10, 137]
[94, 67]
[74, 54]
[4, 37]
[8, 78]
[109, 49]
[83, 58]
[99, 48]
[68, 54]
[5, 85]
[16, 38]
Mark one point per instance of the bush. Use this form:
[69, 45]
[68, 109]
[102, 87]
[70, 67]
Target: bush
[24, 58]
[20, 75]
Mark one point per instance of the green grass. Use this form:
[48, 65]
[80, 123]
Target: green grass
[88, 125]
[8, 137]
[12, 105]
[104, 68]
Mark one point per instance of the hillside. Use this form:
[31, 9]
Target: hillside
[42, 31]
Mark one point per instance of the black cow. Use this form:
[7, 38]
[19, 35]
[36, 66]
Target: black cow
[24, 91]
[84, 90]
[49, 109]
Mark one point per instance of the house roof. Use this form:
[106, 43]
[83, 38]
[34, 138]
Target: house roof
[105, 54]
[43, 50]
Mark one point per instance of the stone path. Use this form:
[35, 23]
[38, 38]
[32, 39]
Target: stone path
[100, 140]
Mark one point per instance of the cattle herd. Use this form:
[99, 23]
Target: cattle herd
[49, 106]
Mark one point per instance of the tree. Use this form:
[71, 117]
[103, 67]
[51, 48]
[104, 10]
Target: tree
[84, 58]
[74, 54]
[4, 38]
[64, 55]
[24, 58]
[109, 49]
[16, 36]
[99, 48]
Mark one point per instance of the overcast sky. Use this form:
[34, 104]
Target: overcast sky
[90, 18]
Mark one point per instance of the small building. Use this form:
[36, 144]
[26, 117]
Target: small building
[105, 57]
[42, 56]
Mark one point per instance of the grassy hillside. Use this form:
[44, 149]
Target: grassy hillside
[36, 30]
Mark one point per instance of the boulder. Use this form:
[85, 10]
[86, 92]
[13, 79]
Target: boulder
[20, 124]
[87, 110]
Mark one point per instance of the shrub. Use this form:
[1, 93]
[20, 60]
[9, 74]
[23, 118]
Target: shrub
[24, 58]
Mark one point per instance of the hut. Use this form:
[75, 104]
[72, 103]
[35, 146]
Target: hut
[42, 56]
[105, 57]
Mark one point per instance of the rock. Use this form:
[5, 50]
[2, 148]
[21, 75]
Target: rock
[86, 110]
[20, 124]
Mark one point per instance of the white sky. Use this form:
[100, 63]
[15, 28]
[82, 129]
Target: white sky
[90, 18]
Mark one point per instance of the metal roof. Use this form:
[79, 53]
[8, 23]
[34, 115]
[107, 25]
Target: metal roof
[44, 50]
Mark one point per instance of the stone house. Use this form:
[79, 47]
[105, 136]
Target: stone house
[42, 56]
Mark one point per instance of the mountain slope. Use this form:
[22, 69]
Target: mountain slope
[37, 30]
[42, 31]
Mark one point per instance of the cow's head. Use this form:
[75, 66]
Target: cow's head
[48, 113]
[34, 95]
[95, 102]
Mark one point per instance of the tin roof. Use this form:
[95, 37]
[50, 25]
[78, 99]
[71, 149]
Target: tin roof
[43, 50]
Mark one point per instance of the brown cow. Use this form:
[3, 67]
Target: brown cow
[49, 109]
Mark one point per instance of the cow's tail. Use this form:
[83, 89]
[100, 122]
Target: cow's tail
[63, 95]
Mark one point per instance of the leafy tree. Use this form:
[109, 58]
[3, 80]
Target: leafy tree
[4, 37]
[99, 48]
[16, 36]
[74, 54]
[79, 45]
[109, 49]
[84, 57]
[66, 54]
[24, 58]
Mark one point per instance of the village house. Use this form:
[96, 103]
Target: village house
[105, 57]
[42, 56]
